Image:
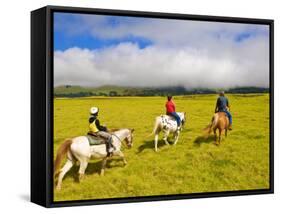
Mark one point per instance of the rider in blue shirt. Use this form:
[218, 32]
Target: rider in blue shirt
[222, 105]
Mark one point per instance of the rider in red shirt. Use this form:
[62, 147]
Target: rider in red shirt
[171, 110]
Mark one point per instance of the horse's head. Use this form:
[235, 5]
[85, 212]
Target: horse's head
[124, 135]
[129, 138]
[183, 118]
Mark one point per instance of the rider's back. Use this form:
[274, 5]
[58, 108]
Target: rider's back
[222, 103]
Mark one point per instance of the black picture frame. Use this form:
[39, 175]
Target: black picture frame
[42, 104]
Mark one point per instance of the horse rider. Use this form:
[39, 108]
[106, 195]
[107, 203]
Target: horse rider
[222, 105]
[171, 110]
[95, 129]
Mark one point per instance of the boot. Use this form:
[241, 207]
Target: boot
[109, 149]
[230, 127]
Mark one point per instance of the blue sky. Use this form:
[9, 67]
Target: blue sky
[63, 39]
[174, 52]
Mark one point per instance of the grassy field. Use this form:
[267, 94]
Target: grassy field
[194, 165]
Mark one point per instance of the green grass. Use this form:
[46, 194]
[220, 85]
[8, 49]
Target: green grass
[194, 165]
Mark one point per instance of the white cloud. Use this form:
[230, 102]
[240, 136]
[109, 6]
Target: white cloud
[245, 64]
[166, 32]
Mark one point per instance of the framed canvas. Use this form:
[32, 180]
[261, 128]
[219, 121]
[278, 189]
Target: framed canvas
[130, 106]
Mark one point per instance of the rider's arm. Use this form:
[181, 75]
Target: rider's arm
[216, 108]
[91, 119]
[174, 106]
[227, 104]
[100, 127]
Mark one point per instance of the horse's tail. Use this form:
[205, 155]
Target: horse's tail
[61, 154]
[156, 127]
[212, 124]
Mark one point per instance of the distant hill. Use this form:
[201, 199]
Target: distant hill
[111, 90]
[78, 91]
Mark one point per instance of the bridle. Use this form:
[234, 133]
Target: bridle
[117, 137]
[129, 143]
[183, 120]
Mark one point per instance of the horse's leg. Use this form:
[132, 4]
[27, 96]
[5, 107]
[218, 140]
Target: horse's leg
[155, 142]
[215, 133]
[103, 164]
[220, 136]
[176, 138]
[83, 166]
[166, 134]
[67, 166]
[121, 154]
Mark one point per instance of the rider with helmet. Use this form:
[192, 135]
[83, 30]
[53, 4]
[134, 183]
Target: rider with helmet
[222, 105]
[171, 110]
[96, 129]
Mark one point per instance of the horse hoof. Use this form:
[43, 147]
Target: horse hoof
[81, 177]
[58, 188]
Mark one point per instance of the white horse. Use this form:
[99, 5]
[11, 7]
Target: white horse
[169, 125]
[79, 150]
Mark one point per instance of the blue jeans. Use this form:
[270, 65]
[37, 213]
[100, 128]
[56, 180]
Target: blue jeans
[177, 117]
[229, 116]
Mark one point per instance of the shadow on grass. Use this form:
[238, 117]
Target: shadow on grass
[112, 162]
[186, 130]
[202, 139]
[149, 144]
[94, 167]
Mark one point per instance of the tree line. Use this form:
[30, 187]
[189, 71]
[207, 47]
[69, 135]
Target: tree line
[162, 92]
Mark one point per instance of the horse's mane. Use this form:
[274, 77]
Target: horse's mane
[117, 129]
[114, 130]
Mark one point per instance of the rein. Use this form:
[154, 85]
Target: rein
[117, 138]
[122, 143]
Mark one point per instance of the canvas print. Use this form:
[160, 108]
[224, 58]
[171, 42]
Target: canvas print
[152, 106]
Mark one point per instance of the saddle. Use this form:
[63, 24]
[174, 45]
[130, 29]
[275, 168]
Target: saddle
[94, 139]
[225, 114]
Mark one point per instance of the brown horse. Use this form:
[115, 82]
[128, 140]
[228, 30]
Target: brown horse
[219, 121]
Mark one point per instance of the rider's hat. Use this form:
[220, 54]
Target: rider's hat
[94, 110]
